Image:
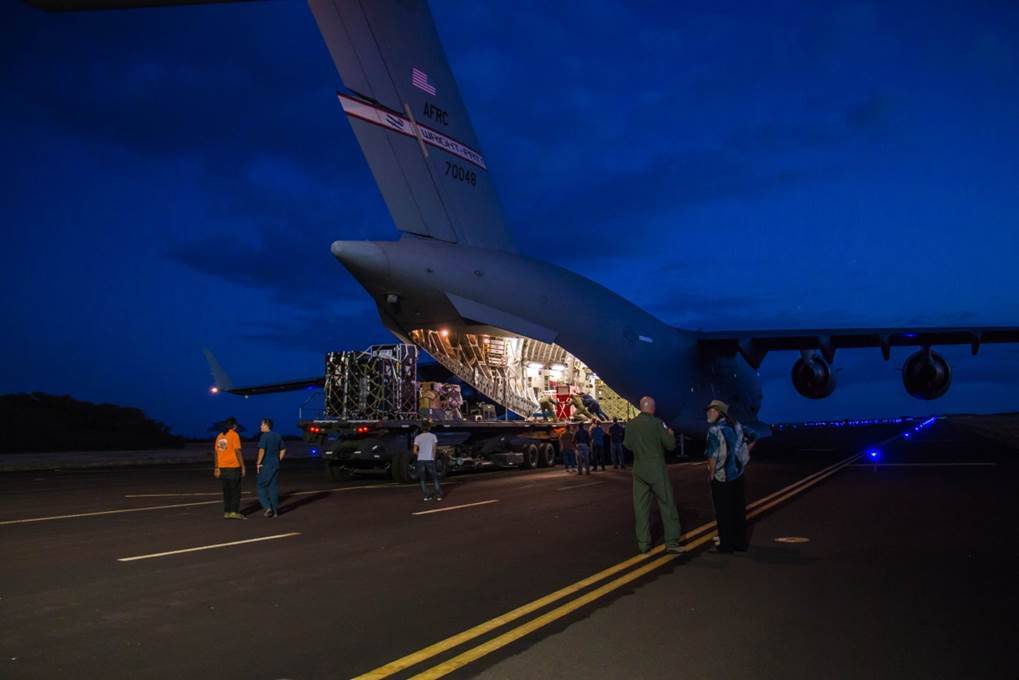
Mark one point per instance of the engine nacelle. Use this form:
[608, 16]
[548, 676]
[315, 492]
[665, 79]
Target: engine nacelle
[926, 375]
[813, 377]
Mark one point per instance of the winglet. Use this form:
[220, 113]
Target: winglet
[221, 381]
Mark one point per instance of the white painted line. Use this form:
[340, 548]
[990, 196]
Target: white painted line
[206, 547]
[961, 464]
[293, 493]
[107, 512]
[578, 486]
[454, 507]
[175, 495]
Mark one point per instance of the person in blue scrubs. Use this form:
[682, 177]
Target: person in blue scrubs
[271, 451]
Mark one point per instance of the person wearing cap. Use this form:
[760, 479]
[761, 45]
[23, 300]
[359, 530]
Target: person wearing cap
[229, 468]
[649, 438]
[727, 454]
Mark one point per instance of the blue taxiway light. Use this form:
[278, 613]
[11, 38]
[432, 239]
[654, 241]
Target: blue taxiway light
[874, 454]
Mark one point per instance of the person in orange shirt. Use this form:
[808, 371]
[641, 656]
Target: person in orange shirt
[229, 468]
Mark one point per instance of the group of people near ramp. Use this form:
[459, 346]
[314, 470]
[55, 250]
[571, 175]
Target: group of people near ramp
[583, 446]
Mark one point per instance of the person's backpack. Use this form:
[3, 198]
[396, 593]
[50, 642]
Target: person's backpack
[742, 450]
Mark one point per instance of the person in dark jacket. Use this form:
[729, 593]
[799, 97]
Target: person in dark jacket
[616, 434]
[566, 447]
[597, 446]
[583, 440]
[592, 406]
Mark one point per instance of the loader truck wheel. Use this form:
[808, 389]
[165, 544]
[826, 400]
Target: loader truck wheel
[531, 457]
[337, 472]
[403, 469]
[547, 455]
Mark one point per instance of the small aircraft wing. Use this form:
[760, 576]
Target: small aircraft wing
[754, 345]
[222, 382]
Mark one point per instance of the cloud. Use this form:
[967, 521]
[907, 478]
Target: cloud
[293, 266]
[351, 325]
[631, 202]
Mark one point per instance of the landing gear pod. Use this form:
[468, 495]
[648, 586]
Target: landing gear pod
[813, 377]
[926, 375]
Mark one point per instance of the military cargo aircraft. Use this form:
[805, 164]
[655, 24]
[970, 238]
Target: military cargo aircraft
[454, 284]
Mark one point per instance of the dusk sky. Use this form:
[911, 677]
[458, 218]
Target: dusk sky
[173, 178]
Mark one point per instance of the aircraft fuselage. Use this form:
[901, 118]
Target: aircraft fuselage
[423, 283]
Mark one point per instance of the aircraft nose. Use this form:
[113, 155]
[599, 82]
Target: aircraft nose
[362, 258]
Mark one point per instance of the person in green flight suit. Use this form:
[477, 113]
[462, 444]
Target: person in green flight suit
[649, 438]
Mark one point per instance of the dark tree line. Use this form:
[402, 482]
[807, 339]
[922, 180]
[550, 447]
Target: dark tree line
[44, 422]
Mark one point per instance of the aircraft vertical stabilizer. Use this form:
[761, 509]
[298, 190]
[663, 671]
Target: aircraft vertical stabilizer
[407, 113]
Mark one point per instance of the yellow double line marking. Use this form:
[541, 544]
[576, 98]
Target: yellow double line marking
[692, 540]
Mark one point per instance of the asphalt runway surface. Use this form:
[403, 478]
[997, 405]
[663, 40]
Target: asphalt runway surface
[906, 571]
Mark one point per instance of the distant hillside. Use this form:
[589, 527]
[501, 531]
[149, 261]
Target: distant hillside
[43, 422]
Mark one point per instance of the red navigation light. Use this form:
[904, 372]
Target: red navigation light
[213, 390]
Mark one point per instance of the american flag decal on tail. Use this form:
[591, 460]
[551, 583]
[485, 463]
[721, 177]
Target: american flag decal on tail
[419, 79]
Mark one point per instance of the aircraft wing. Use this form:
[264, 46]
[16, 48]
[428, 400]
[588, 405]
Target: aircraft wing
[754, 345]
[273, 388]
[223, 383]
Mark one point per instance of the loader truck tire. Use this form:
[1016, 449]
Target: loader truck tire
[531, 457]
[547, 458]
[337, 472]
[401, 468]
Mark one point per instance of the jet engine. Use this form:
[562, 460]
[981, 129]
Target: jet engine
[813, 377]
[926, 375]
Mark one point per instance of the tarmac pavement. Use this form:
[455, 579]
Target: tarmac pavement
[134, 573]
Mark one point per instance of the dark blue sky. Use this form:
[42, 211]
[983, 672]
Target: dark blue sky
[173, 178]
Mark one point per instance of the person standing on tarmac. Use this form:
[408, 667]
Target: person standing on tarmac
[583, 440]
[424, 449]
[616, 434]
[597, 446]
[566, 448]
[229, 468]
[727, 454]
[649, 438]
[271, 451]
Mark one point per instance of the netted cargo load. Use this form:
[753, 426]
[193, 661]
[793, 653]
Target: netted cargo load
[379, 383]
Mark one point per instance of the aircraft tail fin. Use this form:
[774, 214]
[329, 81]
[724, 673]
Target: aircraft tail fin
[220, 380]
[407, 114]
